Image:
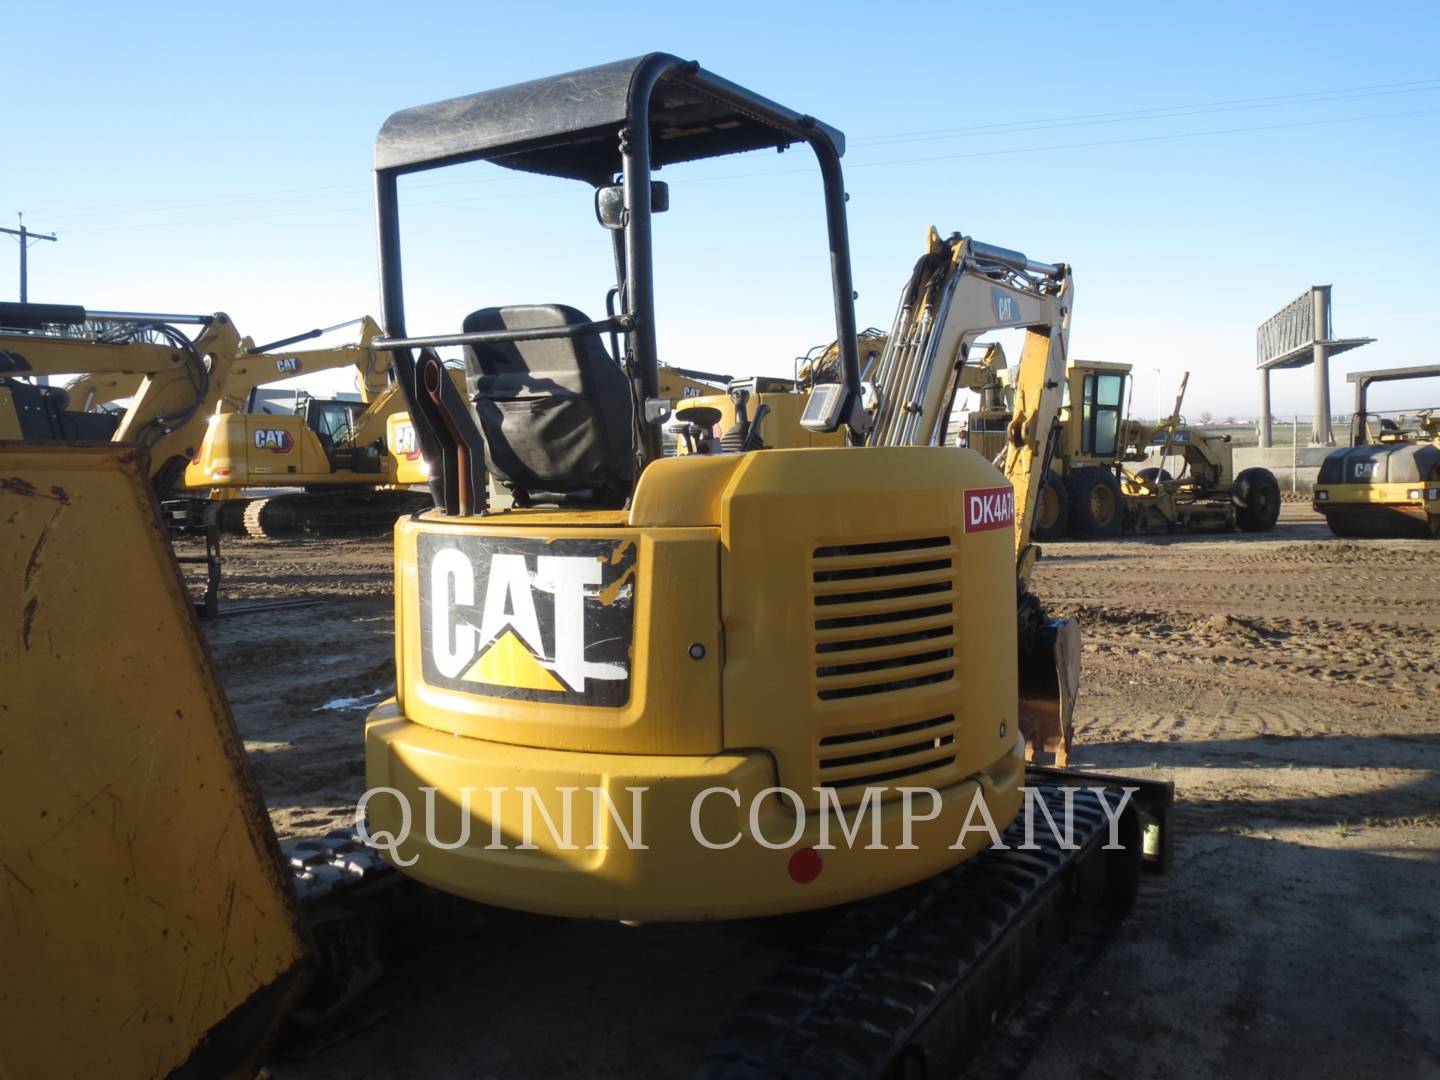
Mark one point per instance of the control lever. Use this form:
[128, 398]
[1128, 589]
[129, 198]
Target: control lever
[744, 434]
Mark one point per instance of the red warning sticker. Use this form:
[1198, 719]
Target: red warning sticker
[989, 508]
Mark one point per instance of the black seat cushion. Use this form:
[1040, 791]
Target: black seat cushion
[557, 415]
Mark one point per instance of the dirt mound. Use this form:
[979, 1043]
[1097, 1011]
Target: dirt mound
[1222, 625]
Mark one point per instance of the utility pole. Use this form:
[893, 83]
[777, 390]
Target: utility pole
[26, 238]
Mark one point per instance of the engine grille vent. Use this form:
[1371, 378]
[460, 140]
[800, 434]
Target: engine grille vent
[865, 758]
[883, 616]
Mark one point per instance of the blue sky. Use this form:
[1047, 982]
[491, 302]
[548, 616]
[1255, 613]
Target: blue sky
[1199, 165]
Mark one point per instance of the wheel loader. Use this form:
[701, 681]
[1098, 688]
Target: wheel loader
[1387, 482]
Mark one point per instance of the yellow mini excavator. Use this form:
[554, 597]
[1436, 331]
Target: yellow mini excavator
[729, 656]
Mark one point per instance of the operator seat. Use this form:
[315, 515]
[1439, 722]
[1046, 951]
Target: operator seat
[557, 415]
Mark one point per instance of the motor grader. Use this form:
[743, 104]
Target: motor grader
[1092, 489]
[1387, 482]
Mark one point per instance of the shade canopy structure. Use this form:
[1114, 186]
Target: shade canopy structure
[566, 125]
[609, 126]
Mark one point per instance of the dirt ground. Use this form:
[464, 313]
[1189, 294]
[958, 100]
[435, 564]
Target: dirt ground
[1288, 683]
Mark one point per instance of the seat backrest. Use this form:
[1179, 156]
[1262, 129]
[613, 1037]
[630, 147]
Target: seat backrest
[557, 415]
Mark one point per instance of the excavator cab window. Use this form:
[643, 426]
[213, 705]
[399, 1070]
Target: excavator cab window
[1104, 393]
[332, 421]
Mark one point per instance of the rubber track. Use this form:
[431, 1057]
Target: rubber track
[381, 941]
[855, 1003]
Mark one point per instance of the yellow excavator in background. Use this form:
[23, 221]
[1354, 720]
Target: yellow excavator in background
[175, 378]
[333, 450]
[259, 366]
[699, 422]
[331, 453]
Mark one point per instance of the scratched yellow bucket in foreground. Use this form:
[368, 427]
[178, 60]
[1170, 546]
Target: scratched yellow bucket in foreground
[145, 924]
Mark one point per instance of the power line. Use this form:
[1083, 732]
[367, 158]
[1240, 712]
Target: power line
[886, 162]
[800, 172]
[1148, 138]
[1308, 97]
[324, 191]
[1161, 112]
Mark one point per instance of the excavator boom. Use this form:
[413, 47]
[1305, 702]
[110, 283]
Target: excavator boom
[257, 366]
[960, 290]
[177, 377]
[187, 402]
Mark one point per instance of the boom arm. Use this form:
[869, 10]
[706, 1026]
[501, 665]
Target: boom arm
[176, 386]
[176, 381]
[254, 368]
[960, 290]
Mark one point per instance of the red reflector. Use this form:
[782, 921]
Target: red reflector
[805, 866]
[222, 472]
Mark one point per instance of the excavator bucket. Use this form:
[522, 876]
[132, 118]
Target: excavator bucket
[1049, 681]
[146, 926]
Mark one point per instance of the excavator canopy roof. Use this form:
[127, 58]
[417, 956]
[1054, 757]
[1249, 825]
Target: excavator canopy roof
[567, 125]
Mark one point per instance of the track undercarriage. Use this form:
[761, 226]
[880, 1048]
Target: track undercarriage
[963, 971]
